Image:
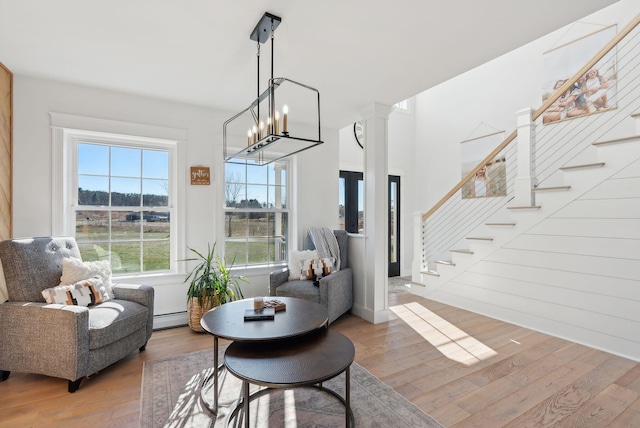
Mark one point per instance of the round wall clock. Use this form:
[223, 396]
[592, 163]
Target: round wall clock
[358, 132]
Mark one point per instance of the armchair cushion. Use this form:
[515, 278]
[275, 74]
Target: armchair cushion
[296, 258]
[113, 320]
[74, 270]
[87, 292]
[33, 264]
[303, 289]
[315, 269]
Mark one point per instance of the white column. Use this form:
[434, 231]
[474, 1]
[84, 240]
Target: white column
[525, 182]
[376, 207]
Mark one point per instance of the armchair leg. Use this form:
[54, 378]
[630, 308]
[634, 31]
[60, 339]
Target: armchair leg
[74, 385]
[4, 375]
[143, 347]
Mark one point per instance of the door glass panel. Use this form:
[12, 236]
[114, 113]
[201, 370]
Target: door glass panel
[393, 219]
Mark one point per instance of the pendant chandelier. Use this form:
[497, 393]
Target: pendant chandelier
[263, 132]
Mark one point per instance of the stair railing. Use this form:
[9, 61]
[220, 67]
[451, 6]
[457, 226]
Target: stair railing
[450, 220]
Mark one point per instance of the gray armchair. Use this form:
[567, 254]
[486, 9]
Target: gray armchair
[64, 341]
[335, 291]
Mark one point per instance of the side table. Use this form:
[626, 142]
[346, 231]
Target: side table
[227, 321]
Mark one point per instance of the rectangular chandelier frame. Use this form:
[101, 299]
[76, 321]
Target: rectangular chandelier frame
[270, 145]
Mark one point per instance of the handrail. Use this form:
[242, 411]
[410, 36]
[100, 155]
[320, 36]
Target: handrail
[535, 115]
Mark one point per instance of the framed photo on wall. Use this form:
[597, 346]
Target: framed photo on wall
[490, 180]
[594, 92]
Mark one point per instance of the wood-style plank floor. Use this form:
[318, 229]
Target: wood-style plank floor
[464, 369]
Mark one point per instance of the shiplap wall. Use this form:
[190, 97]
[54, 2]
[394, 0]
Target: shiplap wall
[574, 273]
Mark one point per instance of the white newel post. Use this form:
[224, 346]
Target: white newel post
[525, 180]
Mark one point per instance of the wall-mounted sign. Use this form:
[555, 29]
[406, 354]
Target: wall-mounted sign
[200, 175]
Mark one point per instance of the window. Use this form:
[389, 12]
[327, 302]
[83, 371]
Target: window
[114, 189]
[256, 213]
[351, 203]
[122, 210]
[402, 106]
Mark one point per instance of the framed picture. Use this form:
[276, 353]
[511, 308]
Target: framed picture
[200, 176]
[594, 92]
[490, 180]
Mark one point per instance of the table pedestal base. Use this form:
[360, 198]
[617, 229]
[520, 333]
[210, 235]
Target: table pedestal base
[241, 403]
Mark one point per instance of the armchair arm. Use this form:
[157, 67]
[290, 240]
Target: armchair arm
[142, 294]
[43, 338]
[276, 279]
[336, 293]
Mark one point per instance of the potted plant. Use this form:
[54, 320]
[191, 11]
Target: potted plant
[210, 284]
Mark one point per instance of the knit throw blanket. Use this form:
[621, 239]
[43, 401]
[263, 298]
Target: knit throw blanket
[326, 244]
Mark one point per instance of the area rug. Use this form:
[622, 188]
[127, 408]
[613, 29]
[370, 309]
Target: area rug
[400, 284]
[170, 398]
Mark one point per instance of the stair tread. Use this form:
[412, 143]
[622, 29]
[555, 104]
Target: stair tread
[462, 250]
[617, 140]
[537, 189]
[480, 238]
[445, 262]
[585, 165]
[430, 272]
[500, 224]
[523, 207]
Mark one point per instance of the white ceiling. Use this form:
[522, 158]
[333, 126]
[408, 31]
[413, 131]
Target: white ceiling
[355, 52]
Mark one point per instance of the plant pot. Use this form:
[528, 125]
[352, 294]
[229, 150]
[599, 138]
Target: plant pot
[195, 311]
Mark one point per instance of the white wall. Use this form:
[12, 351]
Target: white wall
[34, 99]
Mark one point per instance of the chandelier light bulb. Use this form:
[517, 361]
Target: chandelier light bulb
[285, 113]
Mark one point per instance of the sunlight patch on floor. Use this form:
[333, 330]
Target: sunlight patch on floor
[452, 342]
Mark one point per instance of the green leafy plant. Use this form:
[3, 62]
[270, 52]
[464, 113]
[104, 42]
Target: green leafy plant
[211, 279]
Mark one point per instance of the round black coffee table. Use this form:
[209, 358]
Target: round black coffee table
[227, 321]
[305, 360]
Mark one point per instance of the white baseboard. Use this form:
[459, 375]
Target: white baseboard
[369, 315]
[170, 320]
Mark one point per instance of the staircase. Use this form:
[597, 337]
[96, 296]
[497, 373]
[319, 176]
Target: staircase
[567, 266]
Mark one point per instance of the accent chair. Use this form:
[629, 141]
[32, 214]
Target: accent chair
[64, 340]
[335, 291]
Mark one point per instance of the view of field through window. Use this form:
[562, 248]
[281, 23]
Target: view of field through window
[256, 213]
[122, 213]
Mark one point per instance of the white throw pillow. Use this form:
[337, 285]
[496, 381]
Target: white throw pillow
[296, 258]
[74, 270]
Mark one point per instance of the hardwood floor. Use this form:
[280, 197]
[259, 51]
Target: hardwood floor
[507, 375]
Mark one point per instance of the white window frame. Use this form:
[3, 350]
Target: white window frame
[403, 106]
[289, 211]
[69, 130]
